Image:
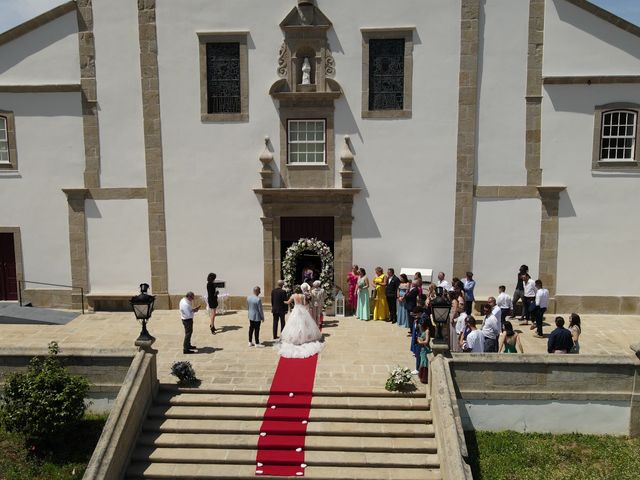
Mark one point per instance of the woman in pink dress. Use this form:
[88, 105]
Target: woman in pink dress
[352, 279]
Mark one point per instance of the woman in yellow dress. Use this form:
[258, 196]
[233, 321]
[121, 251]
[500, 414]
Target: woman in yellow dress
[380, 305]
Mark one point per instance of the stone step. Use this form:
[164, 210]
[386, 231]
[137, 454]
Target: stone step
[421, 430]
[311, 458]
[315, 415]
[319, 392]
[312, 443]
[317, 402]
[174, 471]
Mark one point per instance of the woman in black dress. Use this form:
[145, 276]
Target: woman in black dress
[212, 301]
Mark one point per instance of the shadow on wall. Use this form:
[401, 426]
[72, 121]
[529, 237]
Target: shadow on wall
[571, 98]
[565, 208]
[37, 40]
[599, 29]
[54, 104]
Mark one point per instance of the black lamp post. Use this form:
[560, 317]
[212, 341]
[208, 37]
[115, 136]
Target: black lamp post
[142, 306]
[440, 308]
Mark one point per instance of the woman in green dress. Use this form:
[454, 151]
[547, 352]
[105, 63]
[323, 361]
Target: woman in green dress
[363, 312]
[509, 341]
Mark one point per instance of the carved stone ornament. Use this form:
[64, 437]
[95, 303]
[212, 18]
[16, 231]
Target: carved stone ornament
[266, 158]
[283, 61]
[346, 157]
[330, 66]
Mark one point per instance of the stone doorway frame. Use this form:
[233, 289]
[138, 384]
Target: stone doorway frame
[311, 202]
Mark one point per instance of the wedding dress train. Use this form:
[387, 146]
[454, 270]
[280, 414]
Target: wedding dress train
[301, 337]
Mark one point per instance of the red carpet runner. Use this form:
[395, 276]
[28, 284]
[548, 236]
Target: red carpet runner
[284, 427]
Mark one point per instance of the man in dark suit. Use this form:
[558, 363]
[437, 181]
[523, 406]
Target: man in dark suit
[391, 292]
[278, 307]
[560, 340]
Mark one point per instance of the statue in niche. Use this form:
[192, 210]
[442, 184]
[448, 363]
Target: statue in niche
[306, 72]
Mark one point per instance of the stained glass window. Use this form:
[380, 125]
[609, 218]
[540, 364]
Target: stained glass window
[223, 77]
[618, 135]
[386, 74]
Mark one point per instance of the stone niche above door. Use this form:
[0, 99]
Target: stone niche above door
[298, 99]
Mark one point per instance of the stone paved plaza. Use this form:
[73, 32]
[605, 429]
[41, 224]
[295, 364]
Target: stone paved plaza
[357, 354]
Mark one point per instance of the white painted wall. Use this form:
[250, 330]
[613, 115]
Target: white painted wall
[213, 216]
[577, 42]
[50, 157]
[604, 418]
[46, 55]
[118, 262]
[502, 71]
[507, 235]
[122, 162]
[598, 228]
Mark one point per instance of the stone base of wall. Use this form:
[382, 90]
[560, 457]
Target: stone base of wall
[47, 298]
[597, 305]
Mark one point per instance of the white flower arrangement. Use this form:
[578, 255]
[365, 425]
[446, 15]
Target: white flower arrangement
[326, 275]
[398, 378]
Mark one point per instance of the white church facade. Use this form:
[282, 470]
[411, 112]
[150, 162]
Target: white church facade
[159, 140]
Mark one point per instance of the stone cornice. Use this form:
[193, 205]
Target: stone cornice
[591, 80]
[607, 16]
[36, 22]
[44, 88]
[126, 193]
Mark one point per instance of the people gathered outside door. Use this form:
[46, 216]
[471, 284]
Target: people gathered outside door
[541, 302]
[560, 340]
[469, 285]
[529, 297]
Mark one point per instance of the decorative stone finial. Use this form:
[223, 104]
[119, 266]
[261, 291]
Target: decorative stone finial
[266, 157]
[347, 157]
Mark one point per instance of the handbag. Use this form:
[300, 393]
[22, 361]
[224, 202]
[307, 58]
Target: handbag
[373, 294]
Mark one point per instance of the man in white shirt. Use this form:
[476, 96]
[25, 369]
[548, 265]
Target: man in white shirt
[529, 297]
[186, 315]
[495, 310]
[475, 340]
[461, 323]
[504, 303]
[490, 329]
[542, 301]
[443, 283]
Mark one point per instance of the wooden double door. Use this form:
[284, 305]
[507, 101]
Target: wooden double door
[8, 272]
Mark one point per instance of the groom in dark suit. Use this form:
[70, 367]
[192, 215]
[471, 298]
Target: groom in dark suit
[278, 307]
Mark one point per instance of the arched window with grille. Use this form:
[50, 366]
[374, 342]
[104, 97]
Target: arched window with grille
[616, 136]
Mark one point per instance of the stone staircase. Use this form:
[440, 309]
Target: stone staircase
[212, 434]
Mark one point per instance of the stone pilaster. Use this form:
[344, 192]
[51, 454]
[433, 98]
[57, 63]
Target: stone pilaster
[78, 245]
[549, 233]
[467, 133]
[269, 254]
[534, 92]
[153, 150]
[89, 95]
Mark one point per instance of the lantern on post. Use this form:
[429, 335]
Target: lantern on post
[142, 306]
[340, 304]
[440, 309]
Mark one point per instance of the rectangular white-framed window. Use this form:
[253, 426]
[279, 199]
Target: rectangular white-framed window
[306, 142]
[4, 141]
[8, 153]
[619, 129]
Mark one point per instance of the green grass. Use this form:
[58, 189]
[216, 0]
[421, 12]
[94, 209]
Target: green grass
[65, 461]
[532, 456]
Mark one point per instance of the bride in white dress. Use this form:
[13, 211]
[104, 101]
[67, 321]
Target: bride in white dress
[301, 337]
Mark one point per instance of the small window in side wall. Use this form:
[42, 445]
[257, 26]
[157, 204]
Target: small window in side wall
[8, 153]
[616, 137]
[306, 141]
[224, 77]
[387, 72]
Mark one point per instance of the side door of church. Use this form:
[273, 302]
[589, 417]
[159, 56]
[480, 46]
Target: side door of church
[8, 277]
